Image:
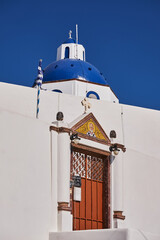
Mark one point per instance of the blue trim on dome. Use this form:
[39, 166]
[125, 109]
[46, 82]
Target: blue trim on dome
[94, 93]
[69, 40]
[66, 69]
[57, 90]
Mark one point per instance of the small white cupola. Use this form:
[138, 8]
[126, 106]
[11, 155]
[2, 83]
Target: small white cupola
[71, 49]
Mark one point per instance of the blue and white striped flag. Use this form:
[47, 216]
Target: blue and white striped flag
[39, 84]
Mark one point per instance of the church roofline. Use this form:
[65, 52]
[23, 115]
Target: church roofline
[80, 80]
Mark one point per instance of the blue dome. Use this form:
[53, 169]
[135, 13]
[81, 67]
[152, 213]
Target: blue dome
[69, 40]
[73, 69]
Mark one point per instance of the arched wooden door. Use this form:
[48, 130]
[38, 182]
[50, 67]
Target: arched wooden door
[93, 211]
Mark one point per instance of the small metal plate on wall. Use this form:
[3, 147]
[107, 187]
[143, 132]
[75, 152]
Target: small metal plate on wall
[77, 194]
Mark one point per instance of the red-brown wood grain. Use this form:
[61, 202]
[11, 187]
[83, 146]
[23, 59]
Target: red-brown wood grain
[93, 211]
[83, 199]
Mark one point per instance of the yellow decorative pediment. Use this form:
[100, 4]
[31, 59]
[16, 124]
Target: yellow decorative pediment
[89, 128]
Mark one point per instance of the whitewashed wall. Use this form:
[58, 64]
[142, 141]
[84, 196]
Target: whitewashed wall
[26, 204]
[142, 168]
[116, 234]
[25, 178]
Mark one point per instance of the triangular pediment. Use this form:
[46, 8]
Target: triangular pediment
[88, 127]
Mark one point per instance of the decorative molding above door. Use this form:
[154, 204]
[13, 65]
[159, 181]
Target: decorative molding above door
[89, 128]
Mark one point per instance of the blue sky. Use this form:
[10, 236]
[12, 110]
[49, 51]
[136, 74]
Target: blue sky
[121, 38]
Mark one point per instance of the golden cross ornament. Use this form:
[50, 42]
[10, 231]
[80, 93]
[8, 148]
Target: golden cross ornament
[86, 105]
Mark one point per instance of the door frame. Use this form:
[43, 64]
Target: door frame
[107, 180]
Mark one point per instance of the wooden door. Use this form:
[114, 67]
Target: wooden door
[93, 210]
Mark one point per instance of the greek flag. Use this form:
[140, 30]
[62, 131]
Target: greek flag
[39, 84]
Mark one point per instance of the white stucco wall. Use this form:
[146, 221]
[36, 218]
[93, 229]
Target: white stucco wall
[116, 234]
[27, 163]
[141, 168]
[54, 176]
[25, 178]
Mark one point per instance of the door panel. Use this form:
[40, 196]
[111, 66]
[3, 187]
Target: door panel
[89, 213]
[82, 224]
[100, 201]
[88, 224]
[100, 225]
[94, 225]
[88, 199]
[76, 224]
[83, 199]
[94, 200]
[76, 209]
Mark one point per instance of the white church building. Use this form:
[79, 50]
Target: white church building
[87, 167]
